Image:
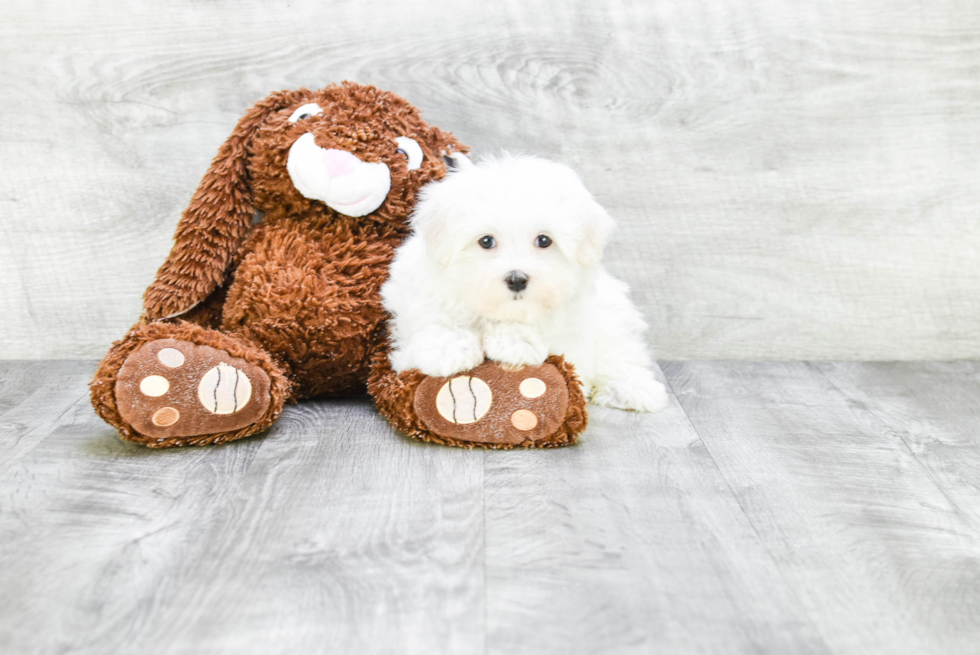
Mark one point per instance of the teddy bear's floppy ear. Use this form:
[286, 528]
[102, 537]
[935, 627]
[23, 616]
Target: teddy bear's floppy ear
[214, 224]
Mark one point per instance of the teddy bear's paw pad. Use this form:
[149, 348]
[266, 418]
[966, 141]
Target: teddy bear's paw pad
[171, 388]
[494, 404]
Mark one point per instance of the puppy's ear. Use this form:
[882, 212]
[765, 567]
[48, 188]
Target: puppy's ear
[432, 220]
[214, 224]
[597, 226]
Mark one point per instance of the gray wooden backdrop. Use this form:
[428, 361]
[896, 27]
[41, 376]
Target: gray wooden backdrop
[792, 179]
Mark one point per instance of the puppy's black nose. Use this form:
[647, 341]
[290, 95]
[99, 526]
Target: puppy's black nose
[516, 281]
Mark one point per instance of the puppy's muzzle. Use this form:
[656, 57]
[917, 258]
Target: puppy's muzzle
[516, 281]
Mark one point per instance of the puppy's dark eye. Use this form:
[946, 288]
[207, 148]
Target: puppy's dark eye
[303, 116]
[401, 152]
[487, 242]
[543, 241]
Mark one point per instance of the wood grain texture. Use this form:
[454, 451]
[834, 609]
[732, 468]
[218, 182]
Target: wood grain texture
[48, 394]
[934, 409]
[329, 534]
[876, 550]
[630, 542]
[771, 508]
[791, 180]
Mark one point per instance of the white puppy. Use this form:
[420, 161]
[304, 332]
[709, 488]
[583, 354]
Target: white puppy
[504, 263]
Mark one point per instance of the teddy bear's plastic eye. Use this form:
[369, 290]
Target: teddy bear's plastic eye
[307, 110]
[411, 149]
[487, 242]
[543, 241]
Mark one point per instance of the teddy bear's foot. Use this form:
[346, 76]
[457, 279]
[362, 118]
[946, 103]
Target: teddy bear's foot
[172, 388]
[181, 384]
[493, 405]
[490, 406]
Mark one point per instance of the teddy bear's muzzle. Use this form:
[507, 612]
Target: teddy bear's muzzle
[337, 178]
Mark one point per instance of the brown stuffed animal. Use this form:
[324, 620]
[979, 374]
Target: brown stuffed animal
[245, 316]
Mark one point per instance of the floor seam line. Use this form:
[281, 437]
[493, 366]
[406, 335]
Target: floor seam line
[762, 542]
[886, 430]
[486, 585]
[6, 465]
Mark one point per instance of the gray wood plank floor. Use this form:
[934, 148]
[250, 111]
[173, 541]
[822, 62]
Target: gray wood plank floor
[773, 507]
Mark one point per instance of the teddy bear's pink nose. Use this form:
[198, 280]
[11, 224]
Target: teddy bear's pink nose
[339, 162]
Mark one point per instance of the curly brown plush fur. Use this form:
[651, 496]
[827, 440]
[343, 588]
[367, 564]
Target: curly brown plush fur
[297, 294]
[249, 174]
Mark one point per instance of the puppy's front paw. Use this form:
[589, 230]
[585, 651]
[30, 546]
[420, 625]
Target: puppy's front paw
[516, 345]
[440, 352]
[637, 391]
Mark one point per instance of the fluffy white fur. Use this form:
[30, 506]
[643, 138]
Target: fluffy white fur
[451, 305]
